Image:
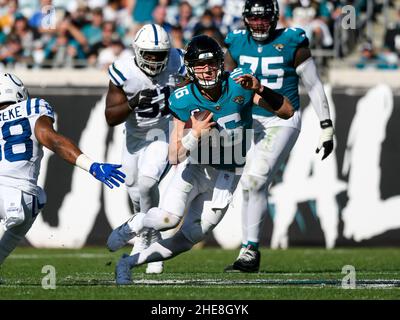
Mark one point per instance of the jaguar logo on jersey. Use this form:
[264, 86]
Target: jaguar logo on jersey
[279, 46]
[238, 99]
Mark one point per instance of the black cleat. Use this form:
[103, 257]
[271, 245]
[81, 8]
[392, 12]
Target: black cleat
[248, 261]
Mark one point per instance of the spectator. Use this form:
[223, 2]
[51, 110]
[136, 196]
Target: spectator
[142, 10]
[24, 33]
[11, 51]
[177, 37]
[8, 18]
[185, 20]
[109, 55]
[93, 4]
[3, 7]
[206, 21]
[108, 36]
[368, 56]
[79, 16]
[312, 16]
[217, 10]
[38, 54]
[36, 19]
[28, 7]
[3, 37]
[159, 17]
[392, 36]
[93, 29]
[63, 48]
[116, 10]
[198, 6]
[371, 59]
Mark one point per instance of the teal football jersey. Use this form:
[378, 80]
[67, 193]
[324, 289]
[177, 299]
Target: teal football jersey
[232, 113]
[272, 62]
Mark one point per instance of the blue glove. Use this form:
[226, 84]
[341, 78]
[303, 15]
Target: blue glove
[107, 173]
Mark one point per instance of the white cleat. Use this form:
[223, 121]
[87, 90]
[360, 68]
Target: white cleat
[155, 267]
[119, 237]
[123, 271]
[140, 242]
[143, 241]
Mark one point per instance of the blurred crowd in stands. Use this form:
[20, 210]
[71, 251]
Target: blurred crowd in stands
[93, 33]
[387, 57]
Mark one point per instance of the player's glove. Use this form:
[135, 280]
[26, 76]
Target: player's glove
[107, 173]
[326, 138]
[146, 98]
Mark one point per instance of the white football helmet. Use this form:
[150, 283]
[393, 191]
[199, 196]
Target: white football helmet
[12, 89]
[151, 40]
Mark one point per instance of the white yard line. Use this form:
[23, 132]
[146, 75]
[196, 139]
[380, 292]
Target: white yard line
[60, 255]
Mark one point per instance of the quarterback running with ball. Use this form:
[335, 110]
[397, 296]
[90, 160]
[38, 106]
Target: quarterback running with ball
[205, 183]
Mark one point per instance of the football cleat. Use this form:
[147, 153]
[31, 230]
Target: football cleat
[248, 261]
[156, 267]
[123, 271]
[120, 236]
[230, 268]
[143, 241]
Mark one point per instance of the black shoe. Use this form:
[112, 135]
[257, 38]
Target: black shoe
[248, 261]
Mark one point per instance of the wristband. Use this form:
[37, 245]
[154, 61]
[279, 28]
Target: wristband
[84, 162]
[274, 99]
[326, 123]
[189, 141]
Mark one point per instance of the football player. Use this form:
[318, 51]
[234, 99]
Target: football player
[139, 88]
[278, 57]
[26, 124]
[205, 186]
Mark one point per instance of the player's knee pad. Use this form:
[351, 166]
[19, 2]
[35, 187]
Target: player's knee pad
[253, 183]
[134, 195]
[160, 219]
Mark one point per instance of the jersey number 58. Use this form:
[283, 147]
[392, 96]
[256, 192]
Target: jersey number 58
[17, 136]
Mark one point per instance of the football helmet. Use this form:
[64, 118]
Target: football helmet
[12, 89]
[204, 50]
[151, 47]
[261, 17]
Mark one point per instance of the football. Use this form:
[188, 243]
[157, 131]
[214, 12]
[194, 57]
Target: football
[199, 115]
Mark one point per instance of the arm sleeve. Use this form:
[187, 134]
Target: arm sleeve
[307, 71]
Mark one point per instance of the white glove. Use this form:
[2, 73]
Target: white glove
[326, 138]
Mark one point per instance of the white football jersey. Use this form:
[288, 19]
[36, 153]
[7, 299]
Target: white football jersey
[126, 74]
[20, 152]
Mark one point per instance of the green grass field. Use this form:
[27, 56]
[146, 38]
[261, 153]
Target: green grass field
[299, 273]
